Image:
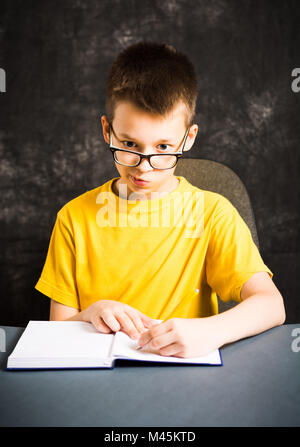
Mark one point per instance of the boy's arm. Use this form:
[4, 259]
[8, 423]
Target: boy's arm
[261, 309]
[60, 312]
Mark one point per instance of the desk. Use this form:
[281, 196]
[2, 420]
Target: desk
[259, 385]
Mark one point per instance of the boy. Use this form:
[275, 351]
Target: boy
[120, 256]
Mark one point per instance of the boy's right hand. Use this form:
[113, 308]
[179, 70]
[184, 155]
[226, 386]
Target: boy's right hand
[112, 316]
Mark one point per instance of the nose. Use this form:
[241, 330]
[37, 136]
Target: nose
[144, 166]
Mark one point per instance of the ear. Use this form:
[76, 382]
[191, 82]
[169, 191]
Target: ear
[105, 128]
[191, 137]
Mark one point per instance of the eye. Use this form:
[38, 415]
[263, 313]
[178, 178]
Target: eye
[165, 147]
[129, 144]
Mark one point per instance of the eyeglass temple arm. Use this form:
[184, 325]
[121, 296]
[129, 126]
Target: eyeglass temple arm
[110, 134]
[185, 138]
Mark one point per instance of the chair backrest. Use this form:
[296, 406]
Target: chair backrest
[216, 177]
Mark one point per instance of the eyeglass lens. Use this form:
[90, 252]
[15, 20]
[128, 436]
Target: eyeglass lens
[157, 161]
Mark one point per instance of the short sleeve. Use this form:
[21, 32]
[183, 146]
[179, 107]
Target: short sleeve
[232, 256]
[58, 278]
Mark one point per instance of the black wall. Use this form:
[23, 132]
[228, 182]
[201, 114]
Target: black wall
[57, 54]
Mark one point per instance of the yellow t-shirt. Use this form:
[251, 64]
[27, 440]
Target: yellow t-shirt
[167, 257]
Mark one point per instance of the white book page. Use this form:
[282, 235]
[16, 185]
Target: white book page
[126, 348]
[56, 343]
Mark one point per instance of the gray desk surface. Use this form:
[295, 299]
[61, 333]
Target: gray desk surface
[259, 385]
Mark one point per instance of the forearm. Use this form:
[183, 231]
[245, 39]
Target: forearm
[80, 316]
[252, 316]
[61, 312]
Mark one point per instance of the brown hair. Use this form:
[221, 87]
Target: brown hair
[153, 76]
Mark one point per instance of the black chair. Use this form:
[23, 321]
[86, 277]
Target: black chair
[212, 176]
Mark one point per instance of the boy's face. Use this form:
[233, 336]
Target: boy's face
[137, 130]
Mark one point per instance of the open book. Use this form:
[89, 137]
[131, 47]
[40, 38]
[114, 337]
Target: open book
[76, 344]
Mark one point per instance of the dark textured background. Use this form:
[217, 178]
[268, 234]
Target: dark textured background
[57, 54]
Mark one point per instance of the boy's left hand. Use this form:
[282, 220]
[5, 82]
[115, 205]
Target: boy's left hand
[182, 337]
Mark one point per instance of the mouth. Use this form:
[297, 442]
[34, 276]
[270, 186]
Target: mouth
[139, 181]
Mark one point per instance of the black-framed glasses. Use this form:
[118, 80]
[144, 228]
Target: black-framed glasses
[125, 157]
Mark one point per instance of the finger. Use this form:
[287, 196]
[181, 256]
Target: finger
[111, 321]
[162, 341]
[127, 325]
[138, 323]
[99, 324]
[147, 321]
[135, 317]
[155, 331]
[145, 338]
[144, 321]
[174, 349]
